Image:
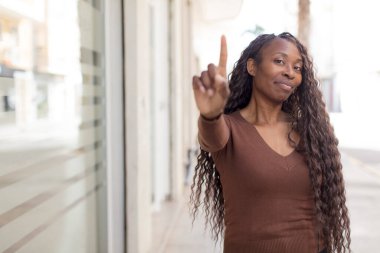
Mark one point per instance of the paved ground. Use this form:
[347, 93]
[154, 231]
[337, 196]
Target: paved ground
[362, 175]
[175, 233]
[363, 199]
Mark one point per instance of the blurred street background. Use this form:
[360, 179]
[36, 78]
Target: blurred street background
[98, 133]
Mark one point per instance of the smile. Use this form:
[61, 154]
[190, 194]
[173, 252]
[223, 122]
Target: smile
[285, 86]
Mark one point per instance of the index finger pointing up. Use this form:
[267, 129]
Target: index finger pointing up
[223, 56]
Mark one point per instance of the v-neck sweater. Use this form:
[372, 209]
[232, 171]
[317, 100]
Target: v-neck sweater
[268, 199]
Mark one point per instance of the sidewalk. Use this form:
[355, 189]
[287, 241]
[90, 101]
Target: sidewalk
[363, 200]
[175, 233]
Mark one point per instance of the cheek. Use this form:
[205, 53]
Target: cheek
[299, 80]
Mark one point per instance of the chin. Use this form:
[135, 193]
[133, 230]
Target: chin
[282, 99]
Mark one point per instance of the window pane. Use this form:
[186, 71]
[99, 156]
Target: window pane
[52, 127]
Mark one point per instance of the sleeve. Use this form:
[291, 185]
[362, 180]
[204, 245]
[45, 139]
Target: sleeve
[213, 135]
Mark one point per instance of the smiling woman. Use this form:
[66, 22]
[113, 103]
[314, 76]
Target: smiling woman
[269, 163]
[277, 72]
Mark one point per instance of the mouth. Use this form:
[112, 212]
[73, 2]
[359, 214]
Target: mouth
[285, 85]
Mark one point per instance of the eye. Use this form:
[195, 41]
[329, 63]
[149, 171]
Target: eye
[279, 61]
[298, 68]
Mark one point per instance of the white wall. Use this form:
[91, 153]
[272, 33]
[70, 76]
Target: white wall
[160, 122]
[138, 143]
[159, 90]
[115, 123]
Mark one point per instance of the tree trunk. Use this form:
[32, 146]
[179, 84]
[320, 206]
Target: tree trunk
[304, 21]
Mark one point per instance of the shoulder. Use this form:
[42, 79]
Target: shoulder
[233, 118]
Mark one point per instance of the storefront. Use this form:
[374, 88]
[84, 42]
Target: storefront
[56, 111]
[96, 121]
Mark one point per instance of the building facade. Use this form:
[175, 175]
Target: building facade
[96, 122]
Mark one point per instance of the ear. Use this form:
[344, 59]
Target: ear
[251, 67]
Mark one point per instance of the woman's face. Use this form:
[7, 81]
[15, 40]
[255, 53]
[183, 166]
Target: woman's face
[279, 72]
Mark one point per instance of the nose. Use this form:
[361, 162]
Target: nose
[288, 71]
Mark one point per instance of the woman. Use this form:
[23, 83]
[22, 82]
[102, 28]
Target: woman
[269, 171]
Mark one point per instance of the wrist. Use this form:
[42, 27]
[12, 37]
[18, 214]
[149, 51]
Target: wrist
[211, 118]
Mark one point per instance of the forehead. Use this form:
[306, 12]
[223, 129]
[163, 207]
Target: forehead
[281, 46]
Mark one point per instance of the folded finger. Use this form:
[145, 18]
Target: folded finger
[212, 71]
[221, 85]
[205, 79]
[197, 84]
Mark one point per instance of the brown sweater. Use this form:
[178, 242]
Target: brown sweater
[269, 204]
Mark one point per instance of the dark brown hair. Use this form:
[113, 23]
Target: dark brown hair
[318, 145]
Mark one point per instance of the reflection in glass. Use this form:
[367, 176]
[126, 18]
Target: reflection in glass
[52, 132]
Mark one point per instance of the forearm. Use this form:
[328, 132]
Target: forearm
[213, 134]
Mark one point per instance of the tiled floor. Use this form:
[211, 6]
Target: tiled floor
[181, 236]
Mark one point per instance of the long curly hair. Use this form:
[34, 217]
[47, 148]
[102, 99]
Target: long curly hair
[318, 145]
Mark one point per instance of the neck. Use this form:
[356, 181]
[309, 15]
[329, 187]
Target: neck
[261, 111]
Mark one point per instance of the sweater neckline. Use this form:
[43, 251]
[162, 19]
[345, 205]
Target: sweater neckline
[262, 140]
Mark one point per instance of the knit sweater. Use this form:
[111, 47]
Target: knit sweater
[268, 199]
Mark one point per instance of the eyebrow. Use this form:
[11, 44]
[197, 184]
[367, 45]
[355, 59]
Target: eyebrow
[285, 55]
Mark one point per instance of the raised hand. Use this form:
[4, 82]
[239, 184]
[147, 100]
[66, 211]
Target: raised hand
[211, 88]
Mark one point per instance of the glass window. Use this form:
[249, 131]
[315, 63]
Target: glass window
[52, 126]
